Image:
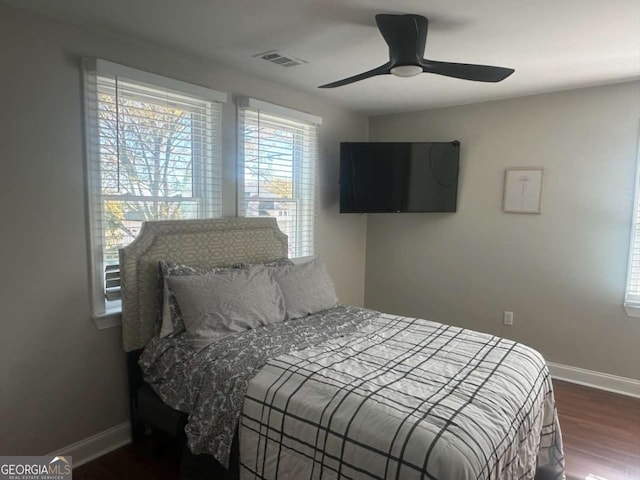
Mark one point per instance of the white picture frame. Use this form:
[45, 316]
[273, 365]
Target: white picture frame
[523, 188]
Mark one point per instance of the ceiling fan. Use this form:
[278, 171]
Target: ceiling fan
[406, 36]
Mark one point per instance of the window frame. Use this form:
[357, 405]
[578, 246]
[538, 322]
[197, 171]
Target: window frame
[296, 117]
[106, 313]
[632, 298]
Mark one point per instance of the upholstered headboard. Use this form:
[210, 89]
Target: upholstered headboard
[211, 242]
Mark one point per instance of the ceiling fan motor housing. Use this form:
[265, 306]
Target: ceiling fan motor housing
[406, 36]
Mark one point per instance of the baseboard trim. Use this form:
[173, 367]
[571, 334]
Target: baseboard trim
[599, 380]
[97, 445]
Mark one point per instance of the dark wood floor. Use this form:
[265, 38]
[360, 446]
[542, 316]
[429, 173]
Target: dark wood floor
[138, 461]
[601, 433]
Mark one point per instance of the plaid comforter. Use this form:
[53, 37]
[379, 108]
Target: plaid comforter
[403, 398]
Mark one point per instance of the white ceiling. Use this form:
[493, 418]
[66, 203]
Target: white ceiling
[552, 44]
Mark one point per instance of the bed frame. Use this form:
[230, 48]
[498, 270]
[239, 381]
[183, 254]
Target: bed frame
[210, 242]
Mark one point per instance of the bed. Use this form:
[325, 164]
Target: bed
[345, 392]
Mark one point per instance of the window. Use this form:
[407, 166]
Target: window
[153, 153]
[277, 161]
[632, 294]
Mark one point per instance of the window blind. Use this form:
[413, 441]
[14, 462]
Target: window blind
[153, 153]
[277, 170]
[632, 294]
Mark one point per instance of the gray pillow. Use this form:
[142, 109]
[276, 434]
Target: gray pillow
[306, 288]
[170, 320]
[215, 305]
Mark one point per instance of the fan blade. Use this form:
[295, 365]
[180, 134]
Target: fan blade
[406, 36]
[478, 73]
[381, 70]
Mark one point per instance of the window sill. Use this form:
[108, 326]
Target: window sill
[632, 309]
[109, 319]
[299, 260]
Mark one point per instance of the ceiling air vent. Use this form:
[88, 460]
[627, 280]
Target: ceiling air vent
[280, 58]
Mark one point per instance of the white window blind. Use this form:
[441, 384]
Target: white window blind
[632, 294]
[153, 152]
[277, 165]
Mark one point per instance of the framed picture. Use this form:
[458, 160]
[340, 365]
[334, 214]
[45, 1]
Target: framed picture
[523, 190]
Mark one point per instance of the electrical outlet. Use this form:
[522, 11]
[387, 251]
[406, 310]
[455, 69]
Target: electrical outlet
[508, 318]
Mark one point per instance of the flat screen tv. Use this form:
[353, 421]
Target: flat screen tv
[399, 177]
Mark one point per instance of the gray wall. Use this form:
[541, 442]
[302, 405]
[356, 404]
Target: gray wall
[61, 379]
[563, 272]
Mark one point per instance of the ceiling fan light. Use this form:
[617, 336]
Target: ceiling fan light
[406, 70]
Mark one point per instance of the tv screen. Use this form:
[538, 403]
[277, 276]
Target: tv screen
[399, 177]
